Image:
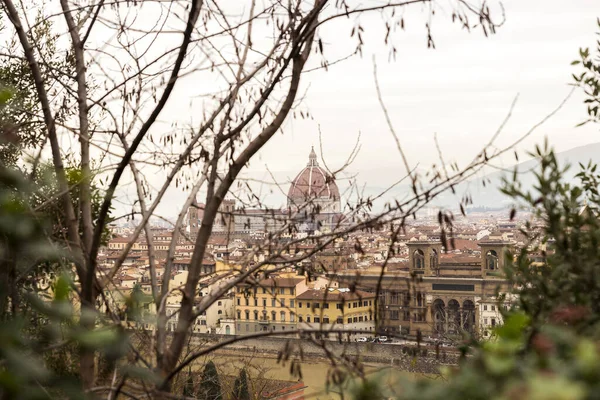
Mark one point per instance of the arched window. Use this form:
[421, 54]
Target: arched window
[453, 315]
[255, 314]
[219, 303]
[273, 316]
[247, 314]
[468, 315]
[239, 315]
[439, 316]
[433, 259]
[491, 260]
[282, 316]
[418, 259]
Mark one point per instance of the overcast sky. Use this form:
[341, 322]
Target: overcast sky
[462, 90]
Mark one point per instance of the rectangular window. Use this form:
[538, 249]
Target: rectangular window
[264, 290]
[317, 319]
[339, 306]
[325, 320]
[292, 303]
[316, 305]
[300, 318]
[273, 303]
[485, 307]
[326, 305]
[299, 304]
[282, 291]
[365, 303]
[264, 302]
[355, 304]
[355, 319]
[349, 320]
[360, 319]
[292, 317]
[493, 321]
[485, 321]
[340, 320]
[238, 301]
[493, 308]
[282, 302]
[308, 318]
[292, 291]
[395, 314]
[453, 286]
[247, 302]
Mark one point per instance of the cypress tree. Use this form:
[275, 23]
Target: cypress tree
[210, 388]
[188, 388]
[241, 386]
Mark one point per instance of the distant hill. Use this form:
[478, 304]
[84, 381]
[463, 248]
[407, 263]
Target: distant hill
[490, 195]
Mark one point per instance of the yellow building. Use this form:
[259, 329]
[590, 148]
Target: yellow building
[286, 303]
[336, 309]
[268, 306]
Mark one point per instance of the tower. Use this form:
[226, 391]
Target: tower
[493, 256]
[424, 257]
[195, 214]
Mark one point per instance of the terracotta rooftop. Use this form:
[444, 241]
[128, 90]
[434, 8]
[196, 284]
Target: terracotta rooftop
[334, 295]
[280, 282]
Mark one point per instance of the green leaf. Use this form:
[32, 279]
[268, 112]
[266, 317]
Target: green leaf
[513, 326]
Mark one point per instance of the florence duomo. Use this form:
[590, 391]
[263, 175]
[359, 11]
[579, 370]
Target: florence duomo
[313, 204]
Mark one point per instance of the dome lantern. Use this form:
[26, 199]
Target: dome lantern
[312, 158]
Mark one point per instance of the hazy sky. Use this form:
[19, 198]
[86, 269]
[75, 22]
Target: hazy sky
[462, 91]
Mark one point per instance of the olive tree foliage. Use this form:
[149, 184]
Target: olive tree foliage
[23, 130]
[589, 79]
[125, 60]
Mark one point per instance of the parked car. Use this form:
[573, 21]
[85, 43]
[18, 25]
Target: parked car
[380, 339]
[362, 339]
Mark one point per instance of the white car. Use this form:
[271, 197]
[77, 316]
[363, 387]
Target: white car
[383, 339]
[362, 339]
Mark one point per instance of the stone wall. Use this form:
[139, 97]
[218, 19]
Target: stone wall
[421, 359]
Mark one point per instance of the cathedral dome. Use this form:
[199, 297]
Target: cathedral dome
[314, 184]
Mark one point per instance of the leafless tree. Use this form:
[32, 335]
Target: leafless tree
[131, 60]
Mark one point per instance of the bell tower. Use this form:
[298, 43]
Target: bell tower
[493, 257]
[195, 214]
[424, 257]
